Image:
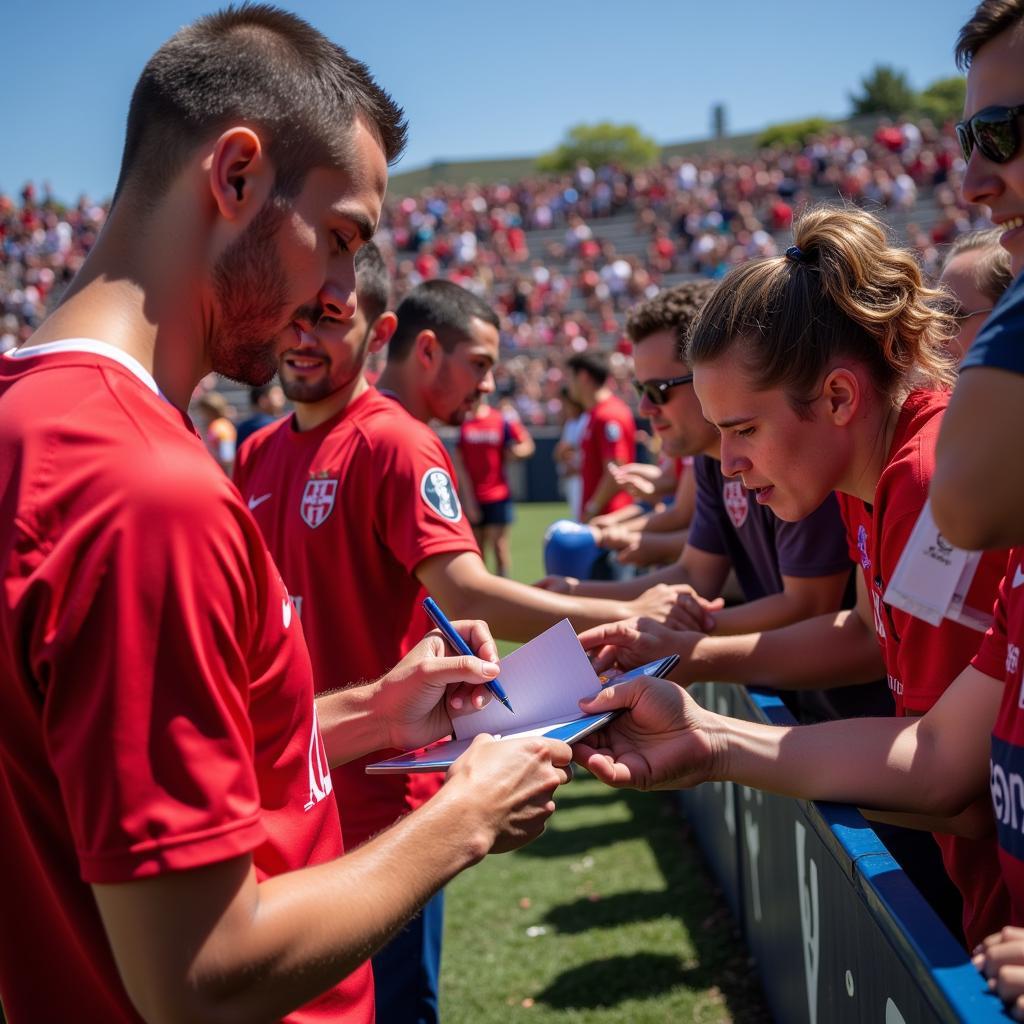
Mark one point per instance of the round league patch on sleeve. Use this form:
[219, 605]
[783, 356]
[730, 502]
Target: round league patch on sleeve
[438, 492]
[612, 431]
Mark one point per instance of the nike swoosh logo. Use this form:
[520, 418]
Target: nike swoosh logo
[255, 502]
[1018, 577]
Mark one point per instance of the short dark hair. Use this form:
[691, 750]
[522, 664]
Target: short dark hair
[592, 362]
[259, 65]
[439, 306]
[373, 283]
[991, 18]
[672, 309]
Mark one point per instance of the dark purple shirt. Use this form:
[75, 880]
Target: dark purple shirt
[763, 548]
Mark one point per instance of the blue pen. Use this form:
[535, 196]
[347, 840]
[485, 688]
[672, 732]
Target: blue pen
[440, 620]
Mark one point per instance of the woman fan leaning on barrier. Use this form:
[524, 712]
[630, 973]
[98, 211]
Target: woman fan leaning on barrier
[827, 369]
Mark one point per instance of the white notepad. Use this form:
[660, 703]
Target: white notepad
[544, 680]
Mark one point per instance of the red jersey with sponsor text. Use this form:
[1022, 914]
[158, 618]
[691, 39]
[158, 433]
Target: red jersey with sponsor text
[921, 660]
[483, 441]
[156, 696]
[610, 436]
[349, 509]
[999, 657]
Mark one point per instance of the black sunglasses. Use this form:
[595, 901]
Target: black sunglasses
[657, 390]
[994, 131]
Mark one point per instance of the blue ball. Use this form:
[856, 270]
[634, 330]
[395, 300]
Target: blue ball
[570, 549]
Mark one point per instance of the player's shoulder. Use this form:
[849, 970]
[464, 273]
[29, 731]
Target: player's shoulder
[391, 431]
[260, 442]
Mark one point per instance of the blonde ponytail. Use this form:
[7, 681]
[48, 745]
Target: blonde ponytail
[841, 291]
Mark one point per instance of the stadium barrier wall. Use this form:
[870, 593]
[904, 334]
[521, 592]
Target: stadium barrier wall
[838, 931]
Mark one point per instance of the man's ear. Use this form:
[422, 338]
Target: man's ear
[841, 393]
[427, 348]
[239, 173]
[381, 330]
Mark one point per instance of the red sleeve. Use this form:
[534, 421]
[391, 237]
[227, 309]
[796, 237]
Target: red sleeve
[517, 431]
[991, 656]
[418, 508]
[615, 436]
[846, 510]
[145, 661]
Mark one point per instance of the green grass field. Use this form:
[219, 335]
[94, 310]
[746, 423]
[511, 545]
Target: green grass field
[610, 917]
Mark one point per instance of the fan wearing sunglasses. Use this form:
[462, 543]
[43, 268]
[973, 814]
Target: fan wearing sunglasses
[977, 493]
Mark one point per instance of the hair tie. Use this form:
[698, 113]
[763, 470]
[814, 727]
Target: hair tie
[796, 254]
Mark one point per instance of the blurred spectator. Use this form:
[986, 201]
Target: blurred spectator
[267, 403]
[218, 432]
[977, 272]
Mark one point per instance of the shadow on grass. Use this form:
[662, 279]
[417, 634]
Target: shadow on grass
[609, 911]
[690, 893]
[615, 980]
[562, 842]
[570, 797]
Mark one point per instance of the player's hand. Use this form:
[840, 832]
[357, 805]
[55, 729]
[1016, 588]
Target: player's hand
[638, 479]
[510, 784]
[630, 643]
[430, 686]
[677, 605]
[661, 740]
[1000, 958]
[558, 584]
[614, 536]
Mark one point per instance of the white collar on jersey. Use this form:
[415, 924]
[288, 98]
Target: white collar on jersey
[96, 348]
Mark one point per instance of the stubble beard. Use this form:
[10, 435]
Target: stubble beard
[249, 285]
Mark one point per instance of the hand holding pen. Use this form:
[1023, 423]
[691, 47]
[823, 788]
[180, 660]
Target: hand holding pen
[440, 620]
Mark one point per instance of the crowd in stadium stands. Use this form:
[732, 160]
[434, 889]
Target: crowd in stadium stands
[693, 215]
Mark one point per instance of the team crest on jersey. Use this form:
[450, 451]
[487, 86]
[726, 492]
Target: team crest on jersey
[318, 501]
[438, 491]
[862, 547]
[612, 431]
[735, 497]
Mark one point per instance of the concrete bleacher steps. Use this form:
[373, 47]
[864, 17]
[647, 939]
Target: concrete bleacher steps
[621, 230]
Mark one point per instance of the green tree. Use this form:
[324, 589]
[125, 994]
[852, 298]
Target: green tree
[884, 91]
[793, 133]
[602, 143]
[943, 100]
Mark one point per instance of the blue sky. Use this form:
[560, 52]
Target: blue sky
[481, 79]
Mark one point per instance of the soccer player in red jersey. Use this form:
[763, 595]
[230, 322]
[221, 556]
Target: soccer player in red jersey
[609, 437]
[439, 364]
[488, 437]
[854, 407]
[178, 847]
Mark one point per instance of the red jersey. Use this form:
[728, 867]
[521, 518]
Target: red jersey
[483, 441]
[349, 509]
[999, 657]
[921, 660]
[156, 696]
[610, 436]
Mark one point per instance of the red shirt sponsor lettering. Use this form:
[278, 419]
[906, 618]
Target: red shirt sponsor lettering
[483, 442]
